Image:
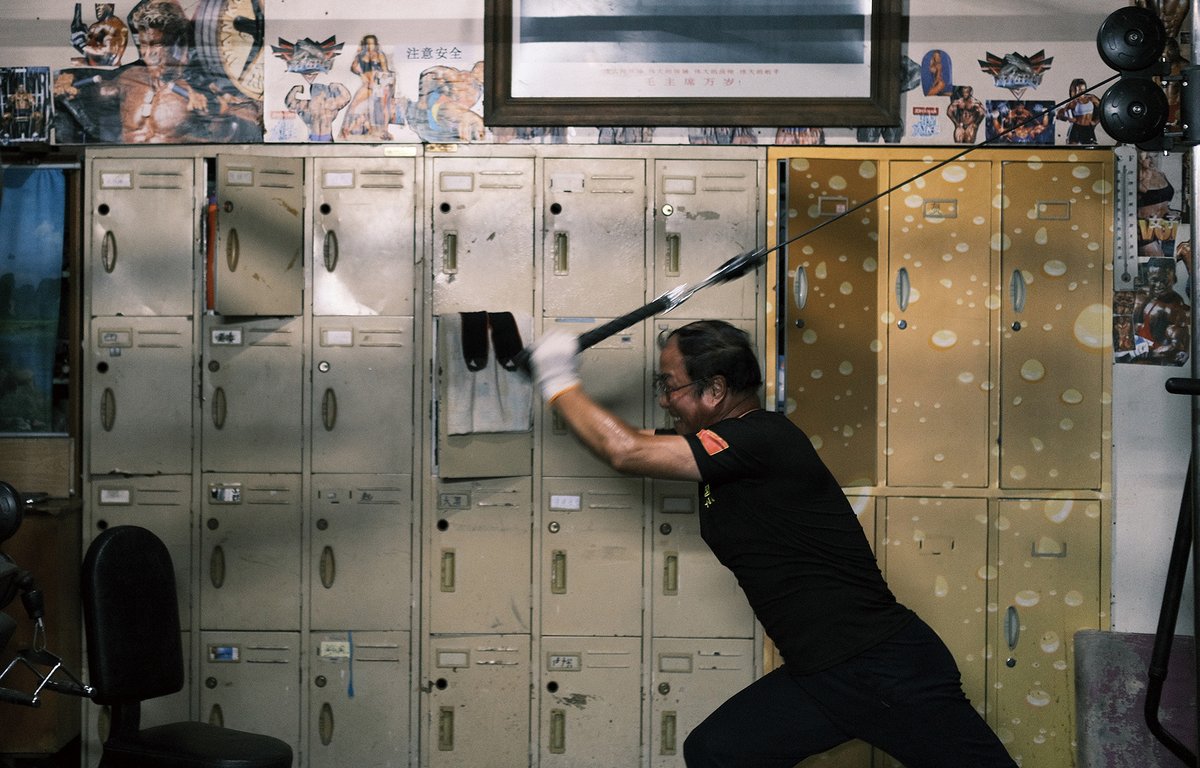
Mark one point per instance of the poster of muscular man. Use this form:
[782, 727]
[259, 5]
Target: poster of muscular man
[24, 105]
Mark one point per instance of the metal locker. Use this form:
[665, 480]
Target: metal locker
[705, 213]
[831, 307]
[614, 371]
[692, 594]
[359, 699]
[250, 552]
[1055, 323]
[477, 714]
[1047, 584]
[363, 235]
[478, 564]
[142, 251]
[361, 552]
[936, 552]
[594, 236]
[591, 702]
[482, 240]
[250, 681]
[591, 579]
[259, 258]
[939, 333]
[362, 394]
[252, 377]
[160, 503]
[689, 679]
[140, 395]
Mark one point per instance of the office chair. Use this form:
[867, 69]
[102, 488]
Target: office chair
[134, 652]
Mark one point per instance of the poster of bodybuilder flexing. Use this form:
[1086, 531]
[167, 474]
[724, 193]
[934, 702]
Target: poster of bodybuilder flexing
[24, 105]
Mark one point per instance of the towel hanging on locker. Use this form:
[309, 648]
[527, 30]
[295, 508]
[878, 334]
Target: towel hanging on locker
[483, 388]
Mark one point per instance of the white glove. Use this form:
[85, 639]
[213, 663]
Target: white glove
[555, 363]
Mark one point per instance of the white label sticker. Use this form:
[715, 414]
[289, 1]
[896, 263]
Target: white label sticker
[565, 502]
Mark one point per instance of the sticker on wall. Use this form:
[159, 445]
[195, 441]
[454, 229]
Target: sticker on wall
[966, 114]
[1017, 72]
[24, 104]
[1081, 113]
[936, 74]
[312, 105]
[1020, 122]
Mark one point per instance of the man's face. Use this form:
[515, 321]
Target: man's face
[691, 411]
[154, 49]
[1159, 280]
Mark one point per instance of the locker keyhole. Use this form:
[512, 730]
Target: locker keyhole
[552, 687]
[102, 367]
[322, 524]
[213, 524]
[443, 524]
[556, 208]
[325, 209]
[101, 525]
[103, 209]
[442, 684]
[444, 207]
[665, 529]
[210, 682]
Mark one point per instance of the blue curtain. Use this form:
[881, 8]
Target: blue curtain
[32, 210]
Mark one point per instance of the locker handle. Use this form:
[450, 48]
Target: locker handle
[903, 288]
[232, 250]
[216, 716]
[800, 288]
[108, 409]
[446, 729]
[216, 567]
[1016, 291]
[450, 253]
[219, 408]
[1035, 550]
[328, 567]
[1012, 627]
[673, 248]
[667, 733]
[329, 409]
[448, 574]
[558, 572]
[671, 574]
[108, 252]
[325, 724]
[558, 731]
[331, 251]
[562, 246]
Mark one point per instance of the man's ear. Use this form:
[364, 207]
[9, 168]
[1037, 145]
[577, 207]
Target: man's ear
[718, 386]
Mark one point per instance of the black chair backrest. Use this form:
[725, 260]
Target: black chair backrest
[131, 617]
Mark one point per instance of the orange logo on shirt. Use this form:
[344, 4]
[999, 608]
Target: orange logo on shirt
[712, 442]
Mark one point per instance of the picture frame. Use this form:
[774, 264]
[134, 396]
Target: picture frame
[616, 63]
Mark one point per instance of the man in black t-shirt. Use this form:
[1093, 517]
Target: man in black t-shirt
[858, 664]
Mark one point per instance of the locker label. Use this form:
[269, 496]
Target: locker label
[333, 337]
[454, 501]
[453, 658]
[116, 339]
[674, 663]
[678, 505]
[334, 649]
[225, 494]
[941, 209]
[564, 662]
[122, 180]
[227, 337]
[679, 185]
[224, 653]
[457, 182]
[562, 502]
[239, 177]
[338, 179]
[115, 496]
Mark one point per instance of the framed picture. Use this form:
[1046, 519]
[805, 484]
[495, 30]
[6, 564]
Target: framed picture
[692, 63]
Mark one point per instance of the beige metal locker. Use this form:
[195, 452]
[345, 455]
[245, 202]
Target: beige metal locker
[250, 534]
[360, 570]
[479, 558]
[362, 394]
[359, 700]
[363, 235]
[705, 213]
[614, 370]
[939, 334]
[143, 214]
[1057, 331]
[689, 679]
[593, 236]
[250, 681]
[692, 594]
[252, 392]
[591, 556]
[830, 308]
[259, 258]
[477, 703]
[1047, 583]
[591, 702]
[140, 395]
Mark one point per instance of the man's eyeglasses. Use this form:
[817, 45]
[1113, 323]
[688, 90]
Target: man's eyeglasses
[662, 390]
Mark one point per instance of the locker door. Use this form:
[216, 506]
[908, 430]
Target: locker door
[482, 234]
[591, 580]
[939, 334]
[689, 679]
[477, 711]
[249, 682]
[361, 567]
[362, 394]
[832, 308]
[591, 702]
[1049, 587]
[363, 235]
[359, 699]
[140, 395]
[260, 235]
[594, 237]
[250, 550]
[614, 371]
[252, 385]
[143, 236]
[692, 595]
[937, 551]
[160, 503]
[705, 213]
[478, 564]
[1055, 346]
